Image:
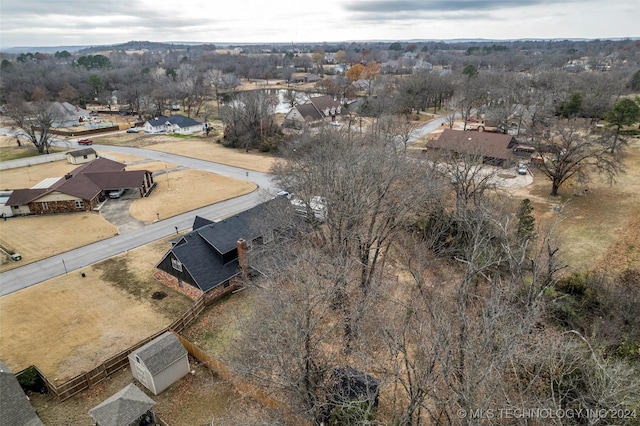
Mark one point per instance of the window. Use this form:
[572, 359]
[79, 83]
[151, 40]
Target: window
[45, 206]
[86, 156]
[79, 204]
[177, 265]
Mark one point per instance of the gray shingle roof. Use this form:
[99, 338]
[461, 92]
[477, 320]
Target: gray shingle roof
[176, 120]
[161, 352]
[121, 409]
[15, 408]
[82, 152]
[201, 251]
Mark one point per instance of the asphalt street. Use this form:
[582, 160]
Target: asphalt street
[69, 262]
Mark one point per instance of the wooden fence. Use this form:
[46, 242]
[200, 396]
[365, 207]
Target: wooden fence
[242, 386]
[88, 379]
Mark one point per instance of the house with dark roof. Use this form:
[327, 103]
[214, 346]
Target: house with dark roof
[491, 148]
[128, 407]
[80, 190]
[81, 156]
[316, 110]
[15, 408]
[304, 77]
[214, 253]
[160, 363]
[173, 124]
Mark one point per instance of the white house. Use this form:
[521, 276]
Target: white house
[173, 124]
[160, 363]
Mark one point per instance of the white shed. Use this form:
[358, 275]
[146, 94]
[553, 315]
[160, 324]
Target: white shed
[160, 363]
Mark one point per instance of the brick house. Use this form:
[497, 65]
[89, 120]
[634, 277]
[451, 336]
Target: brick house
[212, 258]
[81, 190]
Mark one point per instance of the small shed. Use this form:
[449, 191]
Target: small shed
[160, 363]
[128, 407]
[15, 408]
[81, 156]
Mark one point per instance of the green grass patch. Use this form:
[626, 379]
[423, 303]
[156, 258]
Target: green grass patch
[117, 272]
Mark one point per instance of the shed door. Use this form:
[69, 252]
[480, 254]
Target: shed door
[141, 375]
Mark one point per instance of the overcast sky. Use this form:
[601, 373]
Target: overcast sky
[85, 22]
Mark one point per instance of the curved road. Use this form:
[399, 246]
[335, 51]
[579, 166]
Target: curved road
[42, 270]
[68, 262]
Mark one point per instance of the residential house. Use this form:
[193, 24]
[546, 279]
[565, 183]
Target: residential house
[317, 109]
[128, 407]
[81, 156]
[304, 77]
[81, 190]
[67, 115]
[214, 254]
[160, 363]
[15, 408]
[174, 124]
[493, 148]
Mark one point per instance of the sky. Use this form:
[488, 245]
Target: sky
[40, 23]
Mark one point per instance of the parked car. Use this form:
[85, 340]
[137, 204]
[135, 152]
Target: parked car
[522, 169]
[116, 194]
[132, 130]
[16, 257]
[85, 142]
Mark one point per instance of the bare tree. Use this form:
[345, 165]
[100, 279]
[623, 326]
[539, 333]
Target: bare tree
[249, 118]
[572, 152]
[35, 120]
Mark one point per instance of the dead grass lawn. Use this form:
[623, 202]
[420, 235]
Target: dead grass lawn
[206, 149]
[39, 237]
[70, 324]
[186, 190]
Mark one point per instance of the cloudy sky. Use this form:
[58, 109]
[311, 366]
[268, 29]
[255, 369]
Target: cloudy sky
[86, 22]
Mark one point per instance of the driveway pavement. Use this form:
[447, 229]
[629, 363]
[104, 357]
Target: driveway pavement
[134, 234]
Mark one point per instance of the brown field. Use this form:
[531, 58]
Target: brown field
[39, 237]
[595, 230]
[70, 324]
[186, 190]
[206, 149]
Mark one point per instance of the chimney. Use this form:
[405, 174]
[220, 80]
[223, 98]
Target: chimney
[243, 260]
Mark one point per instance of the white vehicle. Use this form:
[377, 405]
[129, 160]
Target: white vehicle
[317, 205]
[116, 194]
[522, 169]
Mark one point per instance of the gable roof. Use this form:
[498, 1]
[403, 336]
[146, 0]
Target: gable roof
[82, 152]
[175, 120]
[318, 107]
[161, 352]
[486, 144]
[201, 251]
[123, 408]
[85, 182]
[15, 408]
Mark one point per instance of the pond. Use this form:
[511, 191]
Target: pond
[284, 96]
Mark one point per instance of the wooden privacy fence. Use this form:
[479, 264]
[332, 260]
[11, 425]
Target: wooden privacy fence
[85, 380]
[242, 386]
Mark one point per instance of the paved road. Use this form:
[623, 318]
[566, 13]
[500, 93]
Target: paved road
[68, 262]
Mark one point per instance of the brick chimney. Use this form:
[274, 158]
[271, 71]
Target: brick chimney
[243, 260]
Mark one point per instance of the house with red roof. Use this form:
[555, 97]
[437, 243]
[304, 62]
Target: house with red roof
[316, 110]
[83, 189]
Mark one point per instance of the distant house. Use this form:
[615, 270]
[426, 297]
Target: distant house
[173, 124]
[15, 408]
[304, 77]
[492, 148]
[209, 258]
[67, 115]
[81, 156]
[317, 110]
[160, 363]
[80, 190]
[128, 407]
